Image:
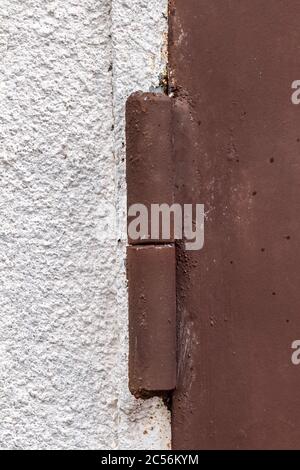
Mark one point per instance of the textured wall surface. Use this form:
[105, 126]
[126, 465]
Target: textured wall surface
[66, 69]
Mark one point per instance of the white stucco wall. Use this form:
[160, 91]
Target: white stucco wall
[66, 69]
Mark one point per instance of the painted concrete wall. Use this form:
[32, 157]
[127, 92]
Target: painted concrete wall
[66, 69]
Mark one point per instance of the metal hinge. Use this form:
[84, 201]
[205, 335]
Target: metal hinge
[151, 264]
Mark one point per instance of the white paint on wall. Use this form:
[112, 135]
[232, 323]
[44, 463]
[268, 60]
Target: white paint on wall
[66, 69]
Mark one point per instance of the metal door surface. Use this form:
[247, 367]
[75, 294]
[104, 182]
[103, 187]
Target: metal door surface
[237, 151]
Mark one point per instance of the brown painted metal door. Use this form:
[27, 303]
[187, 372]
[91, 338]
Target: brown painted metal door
[237, 149]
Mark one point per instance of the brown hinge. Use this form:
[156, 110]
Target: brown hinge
[151, 263]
